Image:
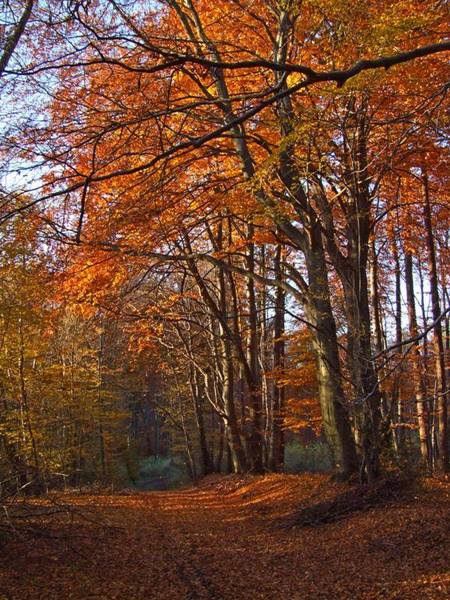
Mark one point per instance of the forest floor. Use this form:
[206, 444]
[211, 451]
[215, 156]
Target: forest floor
[234, 538]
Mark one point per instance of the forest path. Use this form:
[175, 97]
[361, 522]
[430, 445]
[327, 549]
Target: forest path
[234, 539]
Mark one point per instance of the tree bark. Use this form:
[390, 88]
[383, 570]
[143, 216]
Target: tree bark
[419, 383]
[331, 395]
[441, 462]
[276, 453]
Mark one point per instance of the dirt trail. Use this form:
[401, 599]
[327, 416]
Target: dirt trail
[236, 540]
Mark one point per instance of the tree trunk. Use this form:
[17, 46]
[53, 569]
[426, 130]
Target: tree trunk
[419, 383]
[379, 342]
[276, 454]
[255, 437]
[206, 462]
[366, 392]
[331, 395]
[441, 463]
[396, 388]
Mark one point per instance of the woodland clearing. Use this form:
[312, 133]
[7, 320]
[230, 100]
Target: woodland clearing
[235, 538]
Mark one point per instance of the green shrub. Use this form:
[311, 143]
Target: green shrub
[161, 473]
[314, 457]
